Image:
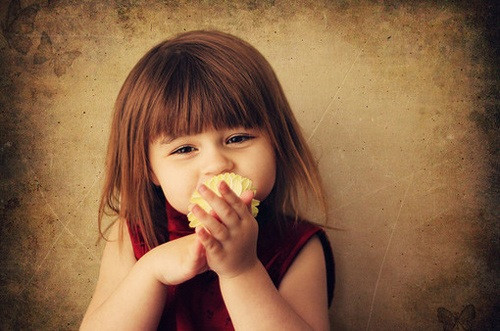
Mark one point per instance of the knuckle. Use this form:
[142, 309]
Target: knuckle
[220, 232]
[226, 212]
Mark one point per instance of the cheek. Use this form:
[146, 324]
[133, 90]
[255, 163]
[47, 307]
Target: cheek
[177, 190]
[265, 186]
[267, 178]
[178, 198]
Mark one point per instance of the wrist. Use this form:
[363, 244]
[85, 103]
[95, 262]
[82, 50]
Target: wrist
[249, 272]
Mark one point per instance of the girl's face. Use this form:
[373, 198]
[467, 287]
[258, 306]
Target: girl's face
[179, 165]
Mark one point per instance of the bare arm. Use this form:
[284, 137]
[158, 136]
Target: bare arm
[130, 294]
[254, 302]
[251, 298]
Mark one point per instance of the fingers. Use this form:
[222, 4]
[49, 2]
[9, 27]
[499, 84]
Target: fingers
[240, 204]
[199, 256]
[228, 208]
[247, 198]
[214, 227]
[207, 240]
[197, 249]
[227, 211]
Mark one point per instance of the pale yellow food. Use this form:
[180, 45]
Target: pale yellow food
[237, 183]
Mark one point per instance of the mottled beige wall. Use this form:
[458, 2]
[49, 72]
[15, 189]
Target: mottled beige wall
[396, 101]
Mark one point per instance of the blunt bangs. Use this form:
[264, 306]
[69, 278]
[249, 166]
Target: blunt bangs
[202, 90]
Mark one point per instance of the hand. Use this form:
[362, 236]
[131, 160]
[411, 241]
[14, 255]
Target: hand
[229, 233]
[178, 260]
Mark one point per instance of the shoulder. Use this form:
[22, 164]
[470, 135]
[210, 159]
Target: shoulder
[299, 241]
[118, 255]
[305, 284]
[308, 266]
[119, 244]
[117, 260]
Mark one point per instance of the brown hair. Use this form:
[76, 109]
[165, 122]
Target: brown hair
[199, 80]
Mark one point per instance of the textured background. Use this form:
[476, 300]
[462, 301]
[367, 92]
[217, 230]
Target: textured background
[400, 104]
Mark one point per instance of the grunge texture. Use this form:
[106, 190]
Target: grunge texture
[398, 99]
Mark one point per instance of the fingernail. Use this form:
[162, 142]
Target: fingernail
[202, 188]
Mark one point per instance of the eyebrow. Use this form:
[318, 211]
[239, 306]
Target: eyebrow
[166, 140]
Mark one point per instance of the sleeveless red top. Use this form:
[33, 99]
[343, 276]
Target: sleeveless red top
[197, 304]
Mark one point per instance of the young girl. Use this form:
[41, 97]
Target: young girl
[199, 105]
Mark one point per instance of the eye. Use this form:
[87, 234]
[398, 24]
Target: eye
[184, 150]
[239, 138]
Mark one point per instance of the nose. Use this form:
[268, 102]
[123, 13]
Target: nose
[216, 162]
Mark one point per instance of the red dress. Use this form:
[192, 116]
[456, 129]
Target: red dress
[197, 304]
